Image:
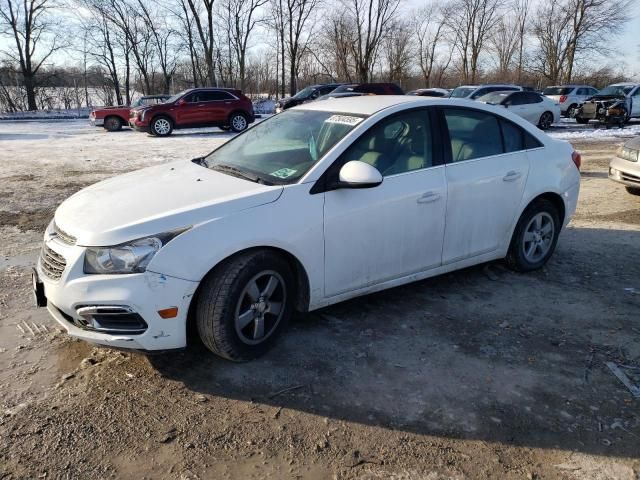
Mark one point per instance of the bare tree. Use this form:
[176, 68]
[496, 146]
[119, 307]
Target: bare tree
[472, 21]
[371, 20]
[202, 12]
[521, 9]
[504, 43]
[429, 26]
[27, 24]
[241, 18]
[398, 53]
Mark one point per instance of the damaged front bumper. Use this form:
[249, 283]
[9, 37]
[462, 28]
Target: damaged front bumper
[120, 311]
[605, 111]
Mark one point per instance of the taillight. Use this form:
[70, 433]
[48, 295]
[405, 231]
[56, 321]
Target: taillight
[563, 98]
[577, 159]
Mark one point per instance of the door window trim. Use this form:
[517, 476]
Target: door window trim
[328, 178]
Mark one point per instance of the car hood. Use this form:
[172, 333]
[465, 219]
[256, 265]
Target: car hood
[156, 200]
[115, 107]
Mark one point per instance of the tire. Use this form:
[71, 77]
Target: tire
[226, 301]
[633, 190]
[112, 124]
[582, 121]
[572, 110]
[522, 256]
[546, 119]
[238, 122]
[161, 126]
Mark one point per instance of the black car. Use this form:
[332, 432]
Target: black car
[307, 94]
[371, 88]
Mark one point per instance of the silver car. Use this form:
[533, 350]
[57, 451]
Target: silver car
[625, 166]
[570, 97]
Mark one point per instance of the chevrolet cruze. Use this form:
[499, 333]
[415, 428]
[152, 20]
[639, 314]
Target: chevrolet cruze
[322, 203]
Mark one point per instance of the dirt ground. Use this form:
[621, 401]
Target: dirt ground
[482, 373]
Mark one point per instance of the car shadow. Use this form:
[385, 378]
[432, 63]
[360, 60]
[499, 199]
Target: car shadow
[483, 353]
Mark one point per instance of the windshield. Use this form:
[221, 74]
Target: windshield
[304, 93]
[494, 98]
[283, 148]
[462, 92]
[175, 97]
[616, 90]
[137, 103]
[557, 90]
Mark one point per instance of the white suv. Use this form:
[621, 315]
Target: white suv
[570, 97]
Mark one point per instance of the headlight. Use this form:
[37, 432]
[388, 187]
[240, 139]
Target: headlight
[131, 257]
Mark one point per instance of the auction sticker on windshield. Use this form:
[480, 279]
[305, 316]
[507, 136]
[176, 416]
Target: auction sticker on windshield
[283, 173]
[344, 119]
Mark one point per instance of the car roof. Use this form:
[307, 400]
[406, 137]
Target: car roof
[624, 84]
[370, 104]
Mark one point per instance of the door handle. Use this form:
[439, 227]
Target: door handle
[511, 176]
[429, 197]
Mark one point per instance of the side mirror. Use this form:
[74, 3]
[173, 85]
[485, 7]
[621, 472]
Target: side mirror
[182, 101]
[357, 174]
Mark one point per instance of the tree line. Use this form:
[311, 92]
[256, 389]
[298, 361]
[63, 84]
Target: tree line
[275, 47]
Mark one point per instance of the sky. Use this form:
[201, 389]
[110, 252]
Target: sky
[626, 47]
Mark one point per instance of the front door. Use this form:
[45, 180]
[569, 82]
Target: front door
[485, 179]
[395, 229]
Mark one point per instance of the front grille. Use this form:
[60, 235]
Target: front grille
[52, 263]
[629, 178]
[63, 236]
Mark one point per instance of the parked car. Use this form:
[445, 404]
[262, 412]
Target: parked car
[305, 95]
[473, 92]
[322, 203]
[226, 108]
[114, 118]
[371, 88]
[430, 92]
[570, 97]
[531, 106]
[624, 168]
[615, 104]
[342, 95]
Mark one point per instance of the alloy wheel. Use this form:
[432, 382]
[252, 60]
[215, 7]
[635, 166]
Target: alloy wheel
[260, 307]
[162, 126]
[538, 237]
[546, 120]
[239, 123]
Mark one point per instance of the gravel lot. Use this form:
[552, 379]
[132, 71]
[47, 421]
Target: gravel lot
[481, 373]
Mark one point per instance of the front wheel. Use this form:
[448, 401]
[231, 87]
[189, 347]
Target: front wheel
[244, 304]
[161, 127]
[238, 122]
[546, 119]
[571, 111]
[535, 237]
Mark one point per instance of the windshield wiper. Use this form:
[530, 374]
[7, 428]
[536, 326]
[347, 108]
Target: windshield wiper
[236, 172]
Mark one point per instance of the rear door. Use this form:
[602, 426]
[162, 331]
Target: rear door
[486, 174]
[218, 104]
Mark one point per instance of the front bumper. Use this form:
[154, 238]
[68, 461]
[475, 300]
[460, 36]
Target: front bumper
[625, 172]
[96, 122]
[138, 126]
[145, 294]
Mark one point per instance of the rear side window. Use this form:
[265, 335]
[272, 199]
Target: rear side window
[532, 97]
[473, 134]
[214, 96]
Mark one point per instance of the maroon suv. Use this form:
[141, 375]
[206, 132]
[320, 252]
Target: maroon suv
[226, 108]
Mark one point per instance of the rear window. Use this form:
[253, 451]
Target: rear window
[557, 90]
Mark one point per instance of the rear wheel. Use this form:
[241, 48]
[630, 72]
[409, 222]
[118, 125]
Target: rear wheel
[112, 124]
[546, 119]
[535, 237]
[161, 126]
[244, 304]
[238, 122]
[633, 190]
[572, 110]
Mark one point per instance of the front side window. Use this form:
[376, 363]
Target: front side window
[462, 92]
[282, 149]
[473, 134]
[395, 145]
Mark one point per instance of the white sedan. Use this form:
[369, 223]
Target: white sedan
[531, 106]
[322, 203]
